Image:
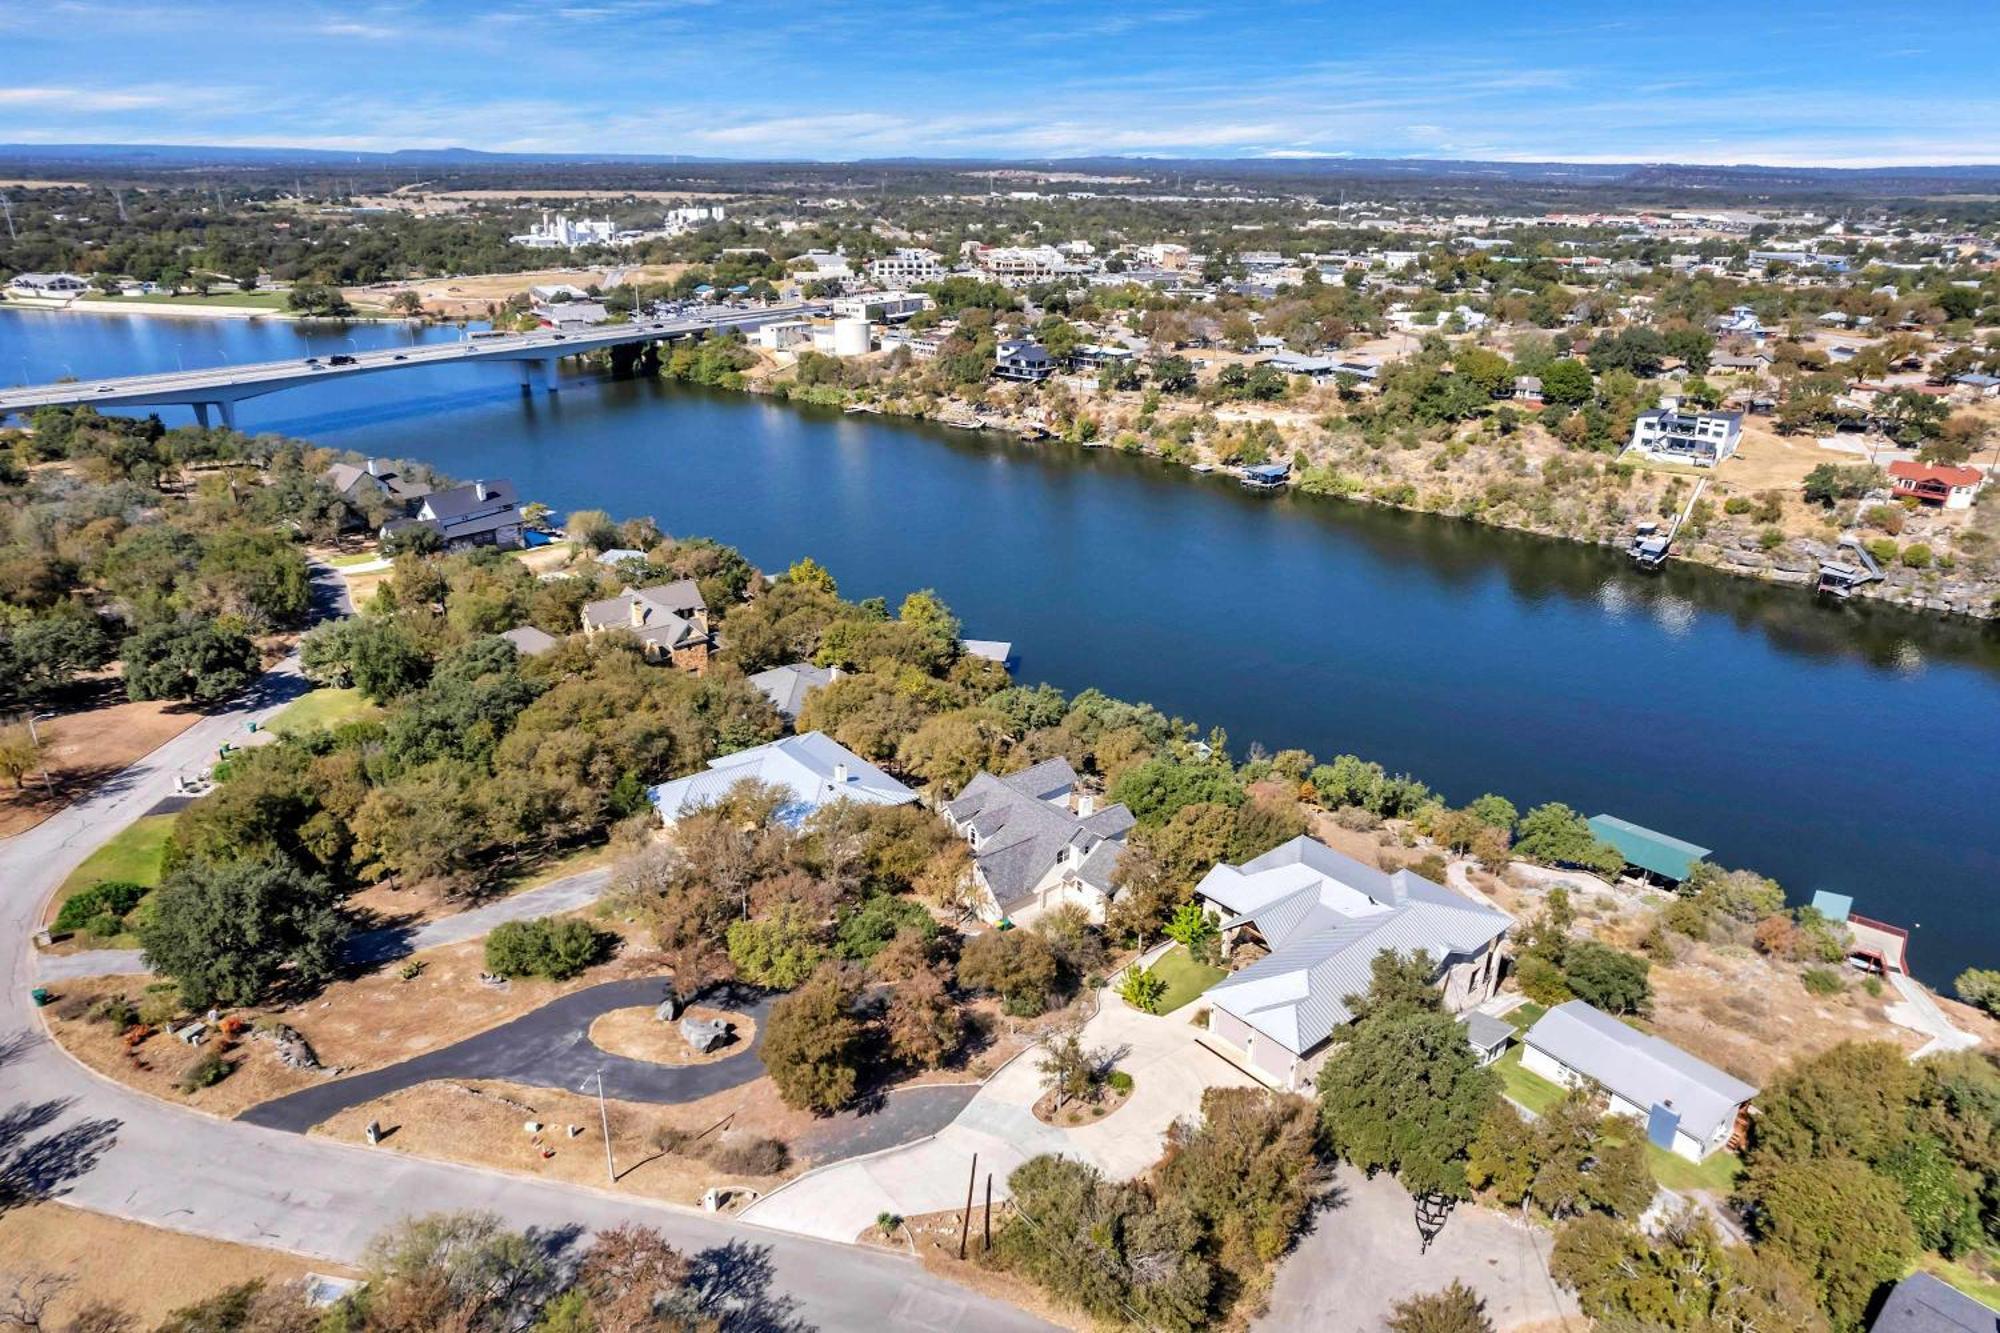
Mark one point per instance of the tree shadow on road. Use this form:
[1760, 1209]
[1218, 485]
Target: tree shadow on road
[34, 1165]
[732, 1285]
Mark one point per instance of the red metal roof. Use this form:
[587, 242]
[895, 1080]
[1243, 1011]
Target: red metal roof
[1950, 476]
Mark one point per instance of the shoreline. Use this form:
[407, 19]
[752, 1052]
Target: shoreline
[173, 309]
[960, 417]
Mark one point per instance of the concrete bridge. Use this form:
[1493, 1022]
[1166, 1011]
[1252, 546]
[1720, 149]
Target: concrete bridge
[216, 391]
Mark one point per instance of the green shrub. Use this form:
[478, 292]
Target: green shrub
[1119, 1082]
[749, 1157]
[1737, 504]
[1979, 987]
[115, 1010]
[206, 1072]
[112, 897]
[553, 947]
[1143, 989]
[1916, 555]
[1822, 981]
[157, 1008]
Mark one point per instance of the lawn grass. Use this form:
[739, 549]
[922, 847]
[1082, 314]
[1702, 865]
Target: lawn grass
[322, 708]
[134, 855]
[1186, 979]
[1962, 1276]
[1717, 1175]
[1524, 1015]
[358, 558]
[1524, 1085]
[243, 300]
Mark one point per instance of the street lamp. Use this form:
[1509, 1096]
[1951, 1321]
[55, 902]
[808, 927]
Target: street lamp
[35, 736]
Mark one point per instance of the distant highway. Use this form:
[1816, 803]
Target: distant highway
[220, 388]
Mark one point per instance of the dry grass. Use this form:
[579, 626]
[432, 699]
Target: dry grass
[363, 1023]
[482, 1123]
[936, 1238]
[149, 1271]
[471, 295]
[85, 747]
[636, 1034]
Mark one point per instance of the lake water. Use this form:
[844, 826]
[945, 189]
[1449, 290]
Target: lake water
[1849, 748]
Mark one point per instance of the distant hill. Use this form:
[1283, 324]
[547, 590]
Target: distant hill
[1451, 176]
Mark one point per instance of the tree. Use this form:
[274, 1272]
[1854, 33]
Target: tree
[811, 574]
[1850, 1100]
[1193, 929]
[1679, 1278]
[921, 1023]
[556, 948]
[19, 755]
[190, 659]
[1016, 965]
[1456, 1309]
[1566, 382]
[1156, 789]
[1554, 834]
[1404, 1091]
[779, 950]
[812, 1043]
[49, 652]
[1249, 1172]
[1069, 1072]
[1570, 1159]
[1611, 979]
[229, 933]
[1840, 1222]
[407, 303]
[1980, 987]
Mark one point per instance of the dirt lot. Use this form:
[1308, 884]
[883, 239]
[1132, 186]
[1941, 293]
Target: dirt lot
[469, 296]
[149, 1271]
[85, 746]
[482, 1123]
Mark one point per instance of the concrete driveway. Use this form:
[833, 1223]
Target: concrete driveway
[1363, 1255]
[1169, 1072]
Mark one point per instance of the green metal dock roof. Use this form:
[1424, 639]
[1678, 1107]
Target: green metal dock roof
[1647, 848]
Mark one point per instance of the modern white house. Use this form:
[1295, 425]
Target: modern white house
[1700, 438]
[47, 284]
[1324, 917]
[907, 268]
[1689, 1107]
[880, 307]
[816, 769]
[1038, 842]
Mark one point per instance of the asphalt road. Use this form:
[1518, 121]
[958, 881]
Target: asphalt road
[548, 1048]
[67, 1133]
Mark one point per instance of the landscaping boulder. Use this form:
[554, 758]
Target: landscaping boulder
[705, 1034]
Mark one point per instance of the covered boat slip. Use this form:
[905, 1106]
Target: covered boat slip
[1648, 851]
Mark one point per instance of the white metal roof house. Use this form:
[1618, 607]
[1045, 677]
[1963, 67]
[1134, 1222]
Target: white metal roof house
[1325, 917]
[815, 768]
[1038, 842]
[1701, 438]
[1688, 1106]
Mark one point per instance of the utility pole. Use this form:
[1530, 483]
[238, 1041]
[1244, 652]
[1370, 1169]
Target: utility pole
[965, 1222]
[604, 1123]
[989, 1214]
[7, 207]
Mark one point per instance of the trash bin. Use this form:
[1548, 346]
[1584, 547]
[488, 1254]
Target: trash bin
[41, 996]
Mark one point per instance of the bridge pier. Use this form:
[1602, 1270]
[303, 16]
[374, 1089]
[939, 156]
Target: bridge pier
[540, 374]
[224, 408]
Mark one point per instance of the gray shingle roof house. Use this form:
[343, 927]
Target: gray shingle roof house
[1487, 1035]
[670, 619]
[815, 768]
[787, 686]
[377, 477]
[530, 641]
[1688, 1106]
[479, 513]
[1038, 842]
[1921, 1303]
[1325, 916]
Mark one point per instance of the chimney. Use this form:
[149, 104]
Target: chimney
[374, 467]
[479, 489]
[840, 774]
[638, 612]
[1086, 805]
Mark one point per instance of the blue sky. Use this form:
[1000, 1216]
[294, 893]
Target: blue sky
[1836, 84]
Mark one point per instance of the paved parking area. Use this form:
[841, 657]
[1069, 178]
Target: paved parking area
[1363, 1255]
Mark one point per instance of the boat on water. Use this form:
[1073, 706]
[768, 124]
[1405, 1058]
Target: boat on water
[1203, 468]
